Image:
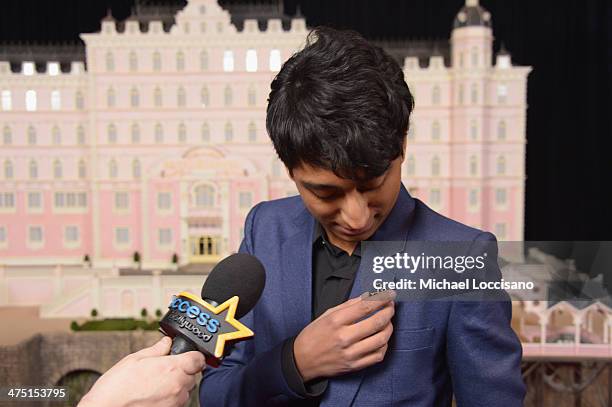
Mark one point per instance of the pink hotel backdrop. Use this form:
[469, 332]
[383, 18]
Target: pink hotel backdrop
[159, 147]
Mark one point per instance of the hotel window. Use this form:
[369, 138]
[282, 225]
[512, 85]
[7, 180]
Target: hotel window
[219, 27]
[435, 166]
[134, 97]
[110, 97]
[473, 198]
[229, 132]
[252, 96]
[7, 136]
[110, 62]
[501, 165]
[3, 234]
[181, 97]
[461, 59]
[157, 97]
[7, 200]
[112, 133]
[202, 27]
[412, 131]
[71, 234]
[245, 200]
[157, 61]
[33, 170]
[34, 200]
[133, 61]
[35, 234]
[502, 94]
[461, 94]
[79, 101]
[7, 100]
[82, 169]
[204, 96]
[500, 196]
[122, 236]
[30, 100]
[473, 166]
[435, 95]
[135, 133]
[159, 133]
[500, 231]
[122, 201]
[70, 200]
[205, 133]
[57, 169]
[202, 9]
[252, 132]
[56, 100]
[474, 94]
[32, 139]
[473, 129]
[204, 196]
[228, 96]
[182, 133]
[228, 61]
[56, 136]
[112, 169]
[474, 56]
[53, 68]
[8, 169]
[136, 170]
[501, 130]
[204, 61]
[164, 201]
[180, 61]
[165, 237]
[275, 60]
[410, 165]
[434, 197]
[80, 135]
[435, 130]
[251, 60]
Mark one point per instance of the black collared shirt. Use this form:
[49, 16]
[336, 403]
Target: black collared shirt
[333, 274]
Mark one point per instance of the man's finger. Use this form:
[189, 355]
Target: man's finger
[359, 310]
[161, 348]
[191, 362]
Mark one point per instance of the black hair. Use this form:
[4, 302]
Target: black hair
[340, 104]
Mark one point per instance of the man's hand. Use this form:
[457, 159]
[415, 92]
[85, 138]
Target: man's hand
[147, 378]
[341, 340]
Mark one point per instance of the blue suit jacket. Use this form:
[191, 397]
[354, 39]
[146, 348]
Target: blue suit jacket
[437, 348]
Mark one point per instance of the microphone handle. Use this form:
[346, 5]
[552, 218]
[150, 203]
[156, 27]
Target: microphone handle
[181, 345]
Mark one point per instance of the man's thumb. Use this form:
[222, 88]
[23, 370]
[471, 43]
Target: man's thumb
[161, 348]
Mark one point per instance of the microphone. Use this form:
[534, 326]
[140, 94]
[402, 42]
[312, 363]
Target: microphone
[210, 323]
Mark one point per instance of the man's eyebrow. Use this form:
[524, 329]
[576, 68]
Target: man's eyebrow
[312, 185]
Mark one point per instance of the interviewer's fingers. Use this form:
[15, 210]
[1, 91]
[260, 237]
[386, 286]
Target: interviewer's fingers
[191, 362]
[161, 348]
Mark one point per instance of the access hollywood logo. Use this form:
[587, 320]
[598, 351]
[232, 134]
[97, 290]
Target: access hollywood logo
[191, 311]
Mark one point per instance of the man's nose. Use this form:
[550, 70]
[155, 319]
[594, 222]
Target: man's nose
[355, 211]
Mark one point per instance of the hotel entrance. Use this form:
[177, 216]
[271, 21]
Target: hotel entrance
[205, 249]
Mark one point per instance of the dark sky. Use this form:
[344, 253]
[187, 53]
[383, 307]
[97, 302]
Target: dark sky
[568, 42]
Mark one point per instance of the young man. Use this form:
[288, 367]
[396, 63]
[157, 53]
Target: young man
[338, 117]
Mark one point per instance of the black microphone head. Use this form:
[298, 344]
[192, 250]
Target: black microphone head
[238, 274]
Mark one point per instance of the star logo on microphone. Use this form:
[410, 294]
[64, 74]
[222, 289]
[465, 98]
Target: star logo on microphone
[231, 329]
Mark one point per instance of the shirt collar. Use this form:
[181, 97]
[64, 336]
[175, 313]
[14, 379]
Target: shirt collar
[320, 237]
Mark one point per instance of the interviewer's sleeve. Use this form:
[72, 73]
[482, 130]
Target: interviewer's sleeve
[484, 354]
[245, 379]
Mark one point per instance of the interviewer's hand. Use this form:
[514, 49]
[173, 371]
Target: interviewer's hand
[341, 341]
[147, 378]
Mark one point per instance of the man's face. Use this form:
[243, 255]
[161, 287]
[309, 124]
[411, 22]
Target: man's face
[348, 211]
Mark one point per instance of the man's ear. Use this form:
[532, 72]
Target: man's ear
[404, 146]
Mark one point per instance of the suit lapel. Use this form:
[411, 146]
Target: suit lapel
[342, 390]
[296, 275]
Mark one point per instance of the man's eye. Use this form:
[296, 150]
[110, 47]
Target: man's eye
[326, 197]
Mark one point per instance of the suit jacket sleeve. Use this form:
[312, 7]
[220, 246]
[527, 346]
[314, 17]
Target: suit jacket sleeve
[484, 353]
[246, 379]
